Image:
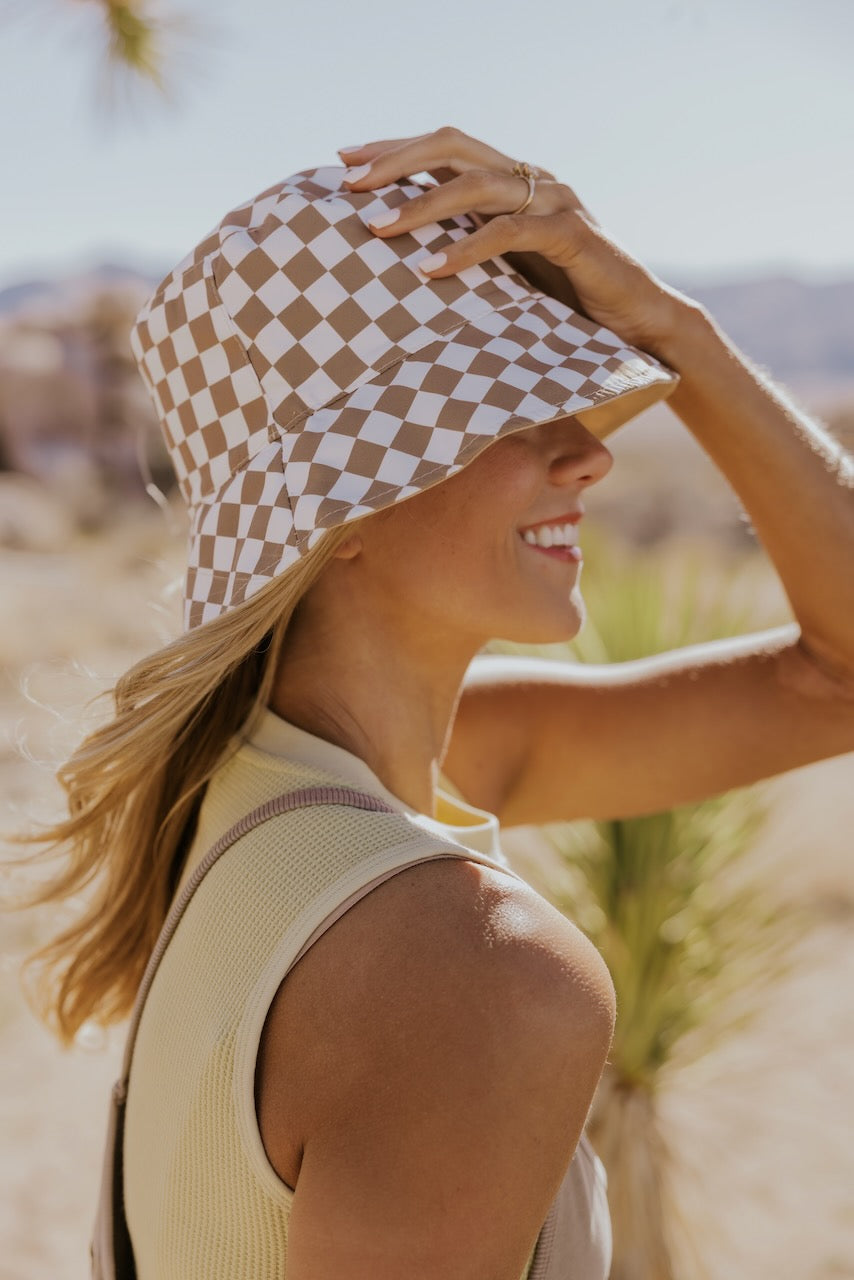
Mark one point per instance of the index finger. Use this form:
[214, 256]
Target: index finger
[370, 150]
[444, 154]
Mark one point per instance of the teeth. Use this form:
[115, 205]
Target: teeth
[552, 535]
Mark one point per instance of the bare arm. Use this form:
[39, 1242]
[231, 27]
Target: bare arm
[538, 741]
[541, 741]
[795, 481]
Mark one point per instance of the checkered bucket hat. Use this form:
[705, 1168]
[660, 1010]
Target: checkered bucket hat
[305, 373]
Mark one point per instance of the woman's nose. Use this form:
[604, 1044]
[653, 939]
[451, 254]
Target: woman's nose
[580, 459]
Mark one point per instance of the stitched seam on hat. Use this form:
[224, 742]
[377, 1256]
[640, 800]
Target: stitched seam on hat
[243, 573]
[371, 374]
[599, 394]
[374, 373]
[425, 475]
[208, 273]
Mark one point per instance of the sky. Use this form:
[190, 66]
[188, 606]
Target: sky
[714, 139]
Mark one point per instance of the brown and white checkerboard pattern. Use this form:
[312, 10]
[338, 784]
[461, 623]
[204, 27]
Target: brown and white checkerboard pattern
[305, 373]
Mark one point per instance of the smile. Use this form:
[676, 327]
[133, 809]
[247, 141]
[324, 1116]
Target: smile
[552, 535]
[558, 542]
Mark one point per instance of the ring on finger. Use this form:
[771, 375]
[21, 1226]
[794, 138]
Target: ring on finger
[530, 174]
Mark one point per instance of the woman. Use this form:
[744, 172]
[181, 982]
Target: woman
[370, 1047]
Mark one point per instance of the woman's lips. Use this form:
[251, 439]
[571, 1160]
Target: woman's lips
[569, 554]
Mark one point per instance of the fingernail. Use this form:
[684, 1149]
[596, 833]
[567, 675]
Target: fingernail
[384, 219]
[345, 151]
[355, 175]
[434, 261]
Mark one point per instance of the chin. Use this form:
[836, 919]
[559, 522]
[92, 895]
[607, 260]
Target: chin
[556, 629]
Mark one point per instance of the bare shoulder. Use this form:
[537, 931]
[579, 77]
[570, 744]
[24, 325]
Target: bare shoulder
[452, 1024]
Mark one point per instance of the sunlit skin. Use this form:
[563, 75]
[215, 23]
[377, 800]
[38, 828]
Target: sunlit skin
[376, 654]
[375, 663]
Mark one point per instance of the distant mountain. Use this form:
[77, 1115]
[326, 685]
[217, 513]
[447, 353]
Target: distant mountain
[17, 296]
[796, 329]
[24, 295]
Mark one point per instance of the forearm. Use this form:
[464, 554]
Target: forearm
[794, 480]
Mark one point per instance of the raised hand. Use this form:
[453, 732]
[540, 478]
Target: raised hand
[556, 243]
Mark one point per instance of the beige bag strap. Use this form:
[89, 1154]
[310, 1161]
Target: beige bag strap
[270, 809]
[110, 1251]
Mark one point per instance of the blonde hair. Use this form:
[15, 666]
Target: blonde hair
[134, 788]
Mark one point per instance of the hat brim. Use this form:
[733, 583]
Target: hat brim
[409, 427]
[427, 415]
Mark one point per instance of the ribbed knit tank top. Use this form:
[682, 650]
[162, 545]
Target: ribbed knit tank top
[202, 1200]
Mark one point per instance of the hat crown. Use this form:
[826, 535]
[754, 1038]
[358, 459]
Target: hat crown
[290, 303]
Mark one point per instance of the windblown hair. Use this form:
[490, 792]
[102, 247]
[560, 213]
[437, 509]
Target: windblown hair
[134, 789]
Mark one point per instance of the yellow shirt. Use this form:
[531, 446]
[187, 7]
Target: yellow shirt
[202, 1200]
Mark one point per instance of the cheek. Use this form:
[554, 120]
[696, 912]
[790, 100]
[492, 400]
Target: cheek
[487, 499]
[457, 533]
[442, 559]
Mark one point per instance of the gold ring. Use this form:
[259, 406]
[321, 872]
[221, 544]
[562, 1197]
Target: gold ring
[530, 174]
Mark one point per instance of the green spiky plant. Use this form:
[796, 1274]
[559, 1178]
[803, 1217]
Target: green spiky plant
[134, 37]
[690, 937]
[145, 42]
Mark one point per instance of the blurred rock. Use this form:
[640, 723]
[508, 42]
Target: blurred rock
[73, 408]
[31, 517]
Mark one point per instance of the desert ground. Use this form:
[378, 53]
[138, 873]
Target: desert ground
[761, 1126]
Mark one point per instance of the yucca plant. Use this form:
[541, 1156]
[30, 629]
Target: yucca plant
[689, 936]
[145, 44]
[134, 36]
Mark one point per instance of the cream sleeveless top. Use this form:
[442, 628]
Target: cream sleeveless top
[202, 1200]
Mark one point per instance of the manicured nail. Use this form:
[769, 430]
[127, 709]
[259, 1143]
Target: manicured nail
[356, 175]
[384, 219]
[345, 151]
[433, 263]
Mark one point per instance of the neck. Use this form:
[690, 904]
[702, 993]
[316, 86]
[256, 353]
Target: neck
[382, 688]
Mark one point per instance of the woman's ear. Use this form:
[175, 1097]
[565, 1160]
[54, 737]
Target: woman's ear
[349, 548]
